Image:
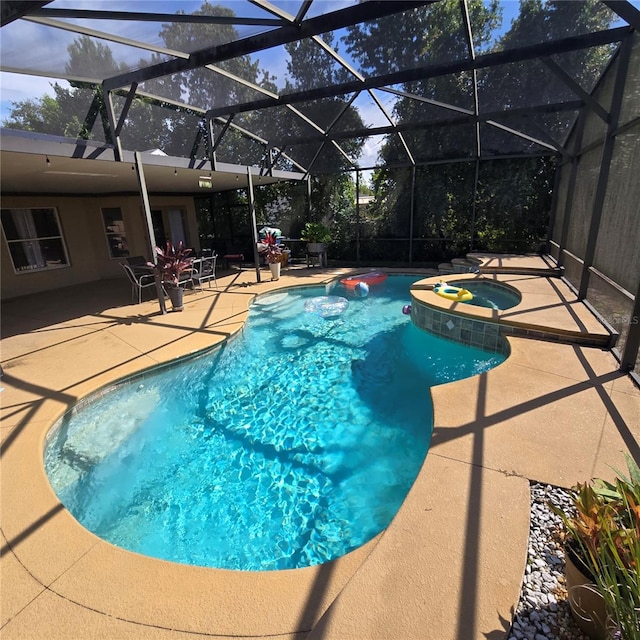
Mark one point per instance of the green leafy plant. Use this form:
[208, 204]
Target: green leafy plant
[604, 534]
[316, 232]
[172, 262]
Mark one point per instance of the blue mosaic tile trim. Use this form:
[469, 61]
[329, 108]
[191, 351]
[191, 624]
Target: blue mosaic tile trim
[476, 333]
[489, 335]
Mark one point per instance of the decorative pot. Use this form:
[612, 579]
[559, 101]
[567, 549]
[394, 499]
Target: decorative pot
[586, 602]
[175, 295]
[316, 247]
[275, 270]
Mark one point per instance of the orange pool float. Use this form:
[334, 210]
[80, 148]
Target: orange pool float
[373, 277]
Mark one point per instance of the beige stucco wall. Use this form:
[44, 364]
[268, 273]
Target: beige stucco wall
[85, 239]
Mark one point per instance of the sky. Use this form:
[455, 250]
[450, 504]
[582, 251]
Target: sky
[16, 87]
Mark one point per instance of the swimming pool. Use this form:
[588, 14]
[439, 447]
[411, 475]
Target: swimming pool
[289, 446]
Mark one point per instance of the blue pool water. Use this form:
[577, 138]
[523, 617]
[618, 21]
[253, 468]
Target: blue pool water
[289, 446]
[491, 295]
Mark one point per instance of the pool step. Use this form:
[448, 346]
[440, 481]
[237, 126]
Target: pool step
[446, 267]
[458, 265]
[464, 265]
[551, 270]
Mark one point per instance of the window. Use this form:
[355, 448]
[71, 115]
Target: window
[116, 233]
[34, 238]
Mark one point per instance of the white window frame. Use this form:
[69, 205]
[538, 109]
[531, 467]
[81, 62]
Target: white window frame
[33, 242]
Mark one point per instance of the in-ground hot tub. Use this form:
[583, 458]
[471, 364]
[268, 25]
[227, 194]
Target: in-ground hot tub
[489, 294]
[506, 312]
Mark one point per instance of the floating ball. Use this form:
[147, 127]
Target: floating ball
[361, 290]
[406, 309]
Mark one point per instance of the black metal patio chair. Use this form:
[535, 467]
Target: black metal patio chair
[138, 281]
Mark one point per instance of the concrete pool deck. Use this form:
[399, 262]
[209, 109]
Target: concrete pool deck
[450, 564]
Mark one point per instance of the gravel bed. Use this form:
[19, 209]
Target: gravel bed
[543, 611]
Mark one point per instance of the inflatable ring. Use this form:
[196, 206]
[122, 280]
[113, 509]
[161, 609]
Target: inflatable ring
[374, 277]
[452, 292]
[326, 306]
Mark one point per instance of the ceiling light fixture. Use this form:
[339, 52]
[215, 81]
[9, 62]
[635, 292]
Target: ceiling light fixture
[175, 172]
[47, 161]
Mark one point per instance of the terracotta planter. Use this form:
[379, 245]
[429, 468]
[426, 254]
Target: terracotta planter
[275, 270]
[585, 601]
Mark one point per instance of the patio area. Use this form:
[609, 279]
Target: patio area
[450, 564]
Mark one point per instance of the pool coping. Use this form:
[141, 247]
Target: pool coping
[79, 579]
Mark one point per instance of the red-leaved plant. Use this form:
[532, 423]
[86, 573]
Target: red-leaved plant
[172, 261]
[269, 248]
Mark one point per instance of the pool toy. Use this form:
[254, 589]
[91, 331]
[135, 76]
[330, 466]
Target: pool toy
[373, 277]
[326, 306]
[452, 292]
[406, 309]
[361, 289]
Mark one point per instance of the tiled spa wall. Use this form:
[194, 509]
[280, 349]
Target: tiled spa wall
[491, 336]
[476, 333]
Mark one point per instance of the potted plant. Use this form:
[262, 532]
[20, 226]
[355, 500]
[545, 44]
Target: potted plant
[172, 263]
[269, 248]
[603, 556]
[317, 237]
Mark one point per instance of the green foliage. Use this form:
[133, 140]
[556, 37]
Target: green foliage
[513, 200]
[605, 533]
[311, 67]
[316, 232]
[282, 205]
[147, 126]
[41, 115]
[198, 84]
[530, 82]
[513, 196]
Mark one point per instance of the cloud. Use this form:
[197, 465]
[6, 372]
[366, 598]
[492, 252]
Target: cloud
[15, 87]
[26, 45]
[370, 150]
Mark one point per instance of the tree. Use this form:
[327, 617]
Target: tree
[206, 89]
[530, 82]
[148, 125]
[430, 35]
[333, 194]
[310, 66]
[513, 196]
[40, 115]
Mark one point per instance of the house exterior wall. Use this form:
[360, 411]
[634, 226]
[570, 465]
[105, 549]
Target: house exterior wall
[83, 231]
